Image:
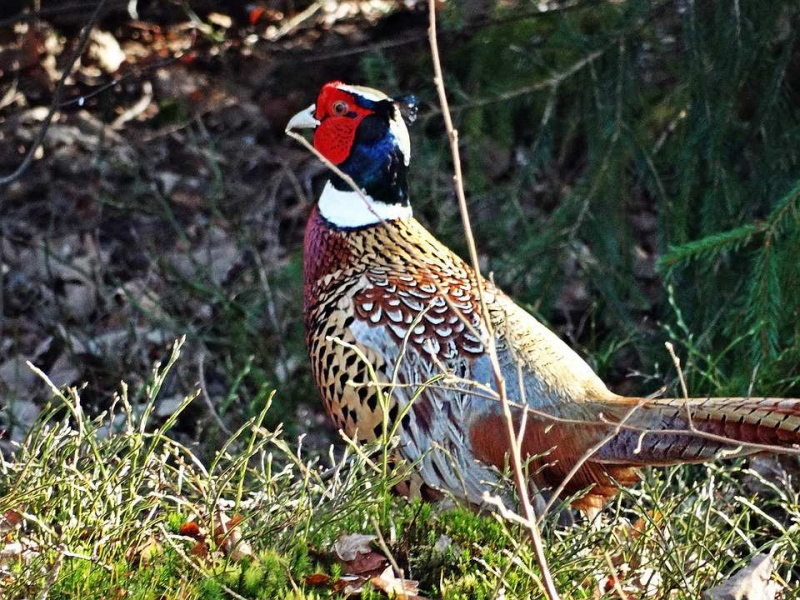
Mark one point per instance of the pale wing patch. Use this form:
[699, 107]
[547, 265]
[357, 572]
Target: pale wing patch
[433, 433]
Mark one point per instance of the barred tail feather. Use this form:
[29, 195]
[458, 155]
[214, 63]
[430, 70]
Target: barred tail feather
[669, 431]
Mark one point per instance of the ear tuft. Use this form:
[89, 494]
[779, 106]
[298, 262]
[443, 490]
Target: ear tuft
[408, 106]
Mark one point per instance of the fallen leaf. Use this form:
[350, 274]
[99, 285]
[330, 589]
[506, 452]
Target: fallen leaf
[750, 583]
[146, 552]
[199, 549]
[228, 537]
[348, 546]
[9, 521]
[225, 525]
[105, 50]
[166, 407]
[80, 298]
[367, 563]
[214, 259]
[23, 550]
[317, 580]
[349, 585]
[357, 556]
[394, 587]
[191, 529]
[64, 370]
[16, 379]
[23, 414]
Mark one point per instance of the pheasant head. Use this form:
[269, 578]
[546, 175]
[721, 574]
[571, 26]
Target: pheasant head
[363, 132]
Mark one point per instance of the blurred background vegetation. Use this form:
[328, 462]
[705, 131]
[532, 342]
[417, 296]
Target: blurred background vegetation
[637, 167]
[632, 171]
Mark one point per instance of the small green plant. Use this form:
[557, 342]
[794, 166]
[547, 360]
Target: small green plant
[107, 507]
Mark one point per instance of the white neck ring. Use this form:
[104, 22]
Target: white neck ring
[350, 209]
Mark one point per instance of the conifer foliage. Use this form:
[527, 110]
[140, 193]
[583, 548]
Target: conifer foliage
[686, 110]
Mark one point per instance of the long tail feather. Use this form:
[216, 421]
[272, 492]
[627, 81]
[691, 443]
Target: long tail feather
[668, 431]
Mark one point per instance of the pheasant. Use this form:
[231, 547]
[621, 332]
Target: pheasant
[393, 323]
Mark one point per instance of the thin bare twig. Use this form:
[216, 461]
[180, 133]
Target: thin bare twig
[584, 458]
[293, 23]
[55, 572]
[677, 362]
[452, 35]
[516, 456]
[73, 11]
[385, 548]
[347, 179]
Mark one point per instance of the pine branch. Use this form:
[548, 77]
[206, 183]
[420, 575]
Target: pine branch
[785, 213]
[764, 303]
[710, 247]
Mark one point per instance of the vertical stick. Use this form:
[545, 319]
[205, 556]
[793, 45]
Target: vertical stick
[516, 456]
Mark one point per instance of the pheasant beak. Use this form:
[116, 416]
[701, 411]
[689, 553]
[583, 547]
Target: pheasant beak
[303, 120]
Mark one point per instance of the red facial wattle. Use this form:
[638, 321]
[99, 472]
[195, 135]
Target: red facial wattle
[339, 117]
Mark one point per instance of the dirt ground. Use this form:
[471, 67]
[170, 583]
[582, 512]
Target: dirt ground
[165, 199]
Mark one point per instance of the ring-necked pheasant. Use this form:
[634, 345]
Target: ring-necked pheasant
[386, 303]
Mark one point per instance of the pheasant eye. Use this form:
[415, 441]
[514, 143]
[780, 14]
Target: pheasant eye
[340, 108]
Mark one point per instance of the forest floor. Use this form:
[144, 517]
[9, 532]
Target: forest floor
[163, 193]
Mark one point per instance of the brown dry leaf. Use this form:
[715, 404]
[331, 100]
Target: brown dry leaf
[750, 583]
[105, 51]
[629, 573]
[136, 297]
[67, 268]
[613, 585]
[146, 552]
[348, 546]
[367, 563]
[216, 257]
[228, 537]
[11, 548]
[349, 585]
[10, 520]
[625, 533]
[193, 199]
[199, 549]
[192, 530]
[402, 589]
[357, 556]
[317, 580]
[23, 55]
